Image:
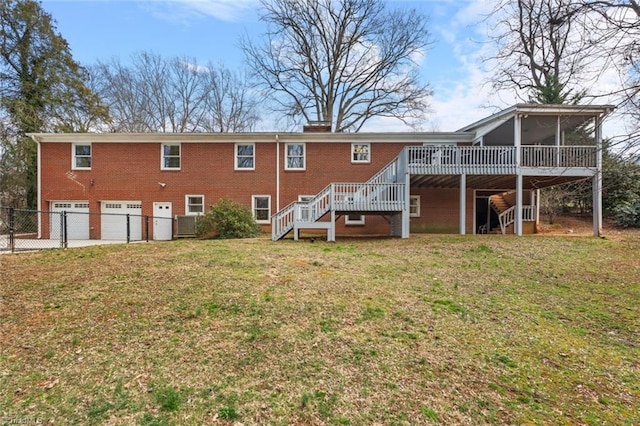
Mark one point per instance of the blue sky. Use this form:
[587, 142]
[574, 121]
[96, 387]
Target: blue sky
[209, 31]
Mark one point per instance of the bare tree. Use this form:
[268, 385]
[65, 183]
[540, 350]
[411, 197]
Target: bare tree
[341, 61]
[618, 36]
[155, 94]
[230, 103]
[543, 50]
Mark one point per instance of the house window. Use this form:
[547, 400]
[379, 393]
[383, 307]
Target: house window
[354, 219]
[245, 156]
[414, 206]
[170, 157]
[360, 153]
[81, 156]
[194, 204]
[261, 206]
[295, 156]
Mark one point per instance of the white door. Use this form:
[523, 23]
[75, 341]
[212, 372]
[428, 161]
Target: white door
[113, 220]
[162, 222]
[77, 220]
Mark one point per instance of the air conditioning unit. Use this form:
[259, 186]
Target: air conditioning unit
[186, 226]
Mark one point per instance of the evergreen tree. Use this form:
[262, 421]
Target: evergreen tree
[43, 89]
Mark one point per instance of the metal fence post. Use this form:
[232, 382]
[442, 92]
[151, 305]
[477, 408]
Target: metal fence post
[12, 224]
[146, 226]
[128, 229]
[63, 226]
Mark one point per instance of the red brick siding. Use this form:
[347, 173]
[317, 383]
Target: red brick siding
[132, 172]
[440, 211]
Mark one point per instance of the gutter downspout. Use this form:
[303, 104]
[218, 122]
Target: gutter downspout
[38, 182]
[277, 173]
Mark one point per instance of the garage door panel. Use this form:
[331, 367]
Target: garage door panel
[114, 220]
[77, 220]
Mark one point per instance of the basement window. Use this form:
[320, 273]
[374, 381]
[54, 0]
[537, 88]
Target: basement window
[194, 204]
[354, 219]
[261, 206]
[414, 206]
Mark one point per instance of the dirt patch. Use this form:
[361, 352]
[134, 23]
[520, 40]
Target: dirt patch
[578, 225]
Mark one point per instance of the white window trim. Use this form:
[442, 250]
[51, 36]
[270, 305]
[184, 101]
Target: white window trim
[162, 145]
[350, 222]
[253, 208]
[304, 156]
[353, 148]
[417, 213]
[235, 156]
[73, 156]
[186, 205]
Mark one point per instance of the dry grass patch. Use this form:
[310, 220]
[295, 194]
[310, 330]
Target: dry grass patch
[434, 329]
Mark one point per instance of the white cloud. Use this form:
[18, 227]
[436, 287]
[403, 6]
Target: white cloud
[184, 10]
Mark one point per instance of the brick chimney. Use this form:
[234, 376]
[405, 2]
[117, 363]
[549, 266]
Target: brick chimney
[317, 127]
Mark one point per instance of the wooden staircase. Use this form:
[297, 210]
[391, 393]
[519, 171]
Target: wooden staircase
[383, 193]
[504, 210]
[498, 203]
[507, 213]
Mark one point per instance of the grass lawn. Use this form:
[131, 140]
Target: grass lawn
[434, 329]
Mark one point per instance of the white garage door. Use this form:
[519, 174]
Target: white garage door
[114, 220]
[77, 219]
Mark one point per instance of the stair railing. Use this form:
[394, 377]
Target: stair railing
[379, 192]
[308, 211]
[506, 218]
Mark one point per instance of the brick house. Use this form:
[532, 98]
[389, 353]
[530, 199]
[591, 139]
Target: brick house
[483, 177]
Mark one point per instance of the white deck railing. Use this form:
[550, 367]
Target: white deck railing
[559, 156]
[495, 160]
[452, 160]
[365, 197]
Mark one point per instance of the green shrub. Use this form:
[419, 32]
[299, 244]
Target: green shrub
[227, 219]
[627, 214]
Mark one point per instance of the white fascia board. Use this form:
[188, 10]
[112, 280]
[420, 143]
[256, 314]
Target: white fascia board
[536, 109]
[497, 117]
[396, 137]
[593, 110]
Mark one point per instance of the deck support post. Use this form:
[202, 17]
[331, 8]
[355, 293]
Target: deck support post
[331, 232]
[597, 182]
[537, 204]
[518, 223]
[517, 142]
[404, 171]
[463, 203]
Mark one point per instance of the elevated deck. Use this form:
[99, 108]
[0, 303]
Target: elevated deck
[434, 165]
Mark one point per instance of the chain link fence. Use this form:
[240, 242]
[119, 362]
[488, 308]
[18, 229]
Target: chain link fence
[23, 230]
